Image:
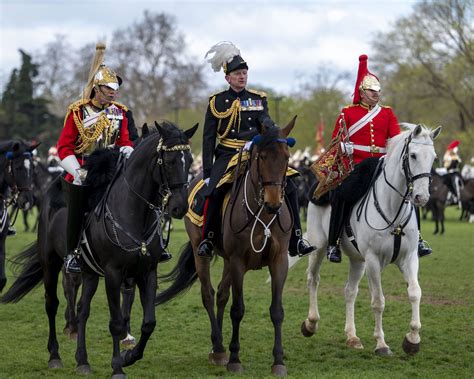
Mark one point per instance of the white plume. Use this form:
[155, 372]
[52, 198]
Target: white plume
[223, 53]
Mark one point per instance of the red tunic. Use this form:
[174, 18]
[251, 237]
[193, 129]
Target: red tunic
[69, 138]
[374, 134]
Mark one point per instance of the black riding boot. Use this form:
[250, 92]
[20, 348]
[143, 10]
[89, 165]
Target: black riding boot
[11, 230]
[298, 246]
[211, 222]
[335, 227]
[423, 248]
[76, 202]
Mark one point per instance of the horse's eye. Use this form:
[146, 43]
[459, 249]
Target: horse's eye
[413, 156]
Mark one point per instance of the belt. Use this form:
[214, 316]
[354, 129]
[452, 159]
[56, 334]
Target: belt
[371, 149]
[232, 143]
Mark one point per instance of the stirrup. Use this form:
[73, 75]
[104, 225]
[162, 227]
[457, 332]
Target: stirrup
[205, 249]
[11, 231]
[302, 248]
[423, 249]
[71, 264]
[334, 254]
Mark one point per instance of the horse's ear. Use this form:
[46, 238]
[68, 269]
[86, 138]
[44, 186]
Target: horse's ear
[16, 147]
[190, 132]
[33, 146]
[416, 132]
[435, 133]
[158, 127]
[287, 129]
[145, 130]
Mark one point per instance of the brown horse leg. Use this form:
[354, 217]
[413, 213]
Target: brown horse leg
[237, 311]
[3, 277]
[147, 287]
[278, 271]
[89, 286]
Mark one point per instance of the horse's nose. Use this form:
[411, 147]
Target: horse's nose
[272, 209]
[420, 200]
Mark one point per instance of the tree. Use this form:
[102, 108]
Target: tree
[158, 76]
[428, 58]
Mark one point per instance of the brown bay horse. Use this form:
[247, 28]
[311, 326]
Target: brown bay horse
[255, 233]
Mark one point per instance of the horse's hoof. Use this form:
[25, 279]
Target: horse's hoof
[218, 359]
[279, 370]
[384, 352]
[55, 363]
[305, 331]
[119, 376]
[410, 348]
[354, 343]
[235, 367]
[73, 336]
[83, 370]
[66, 330]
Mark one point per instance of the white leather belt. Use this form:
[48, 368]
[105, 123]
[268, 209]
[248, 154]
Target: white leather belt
[370, 149]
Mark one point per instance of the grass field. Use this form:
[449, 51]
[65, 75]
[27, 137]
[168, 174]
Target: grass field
[179, 346]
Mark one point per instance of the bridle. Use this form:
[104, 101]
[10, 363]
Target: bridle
[165, 186]
[12, 180]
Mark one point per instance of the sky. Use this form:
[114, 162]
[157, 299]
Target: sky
[280, 40]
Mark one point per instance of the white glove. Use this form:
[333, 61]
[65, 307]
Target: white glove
[126, 150]
[206, 181]
[347, 148]
[71, 165]
[247, 146]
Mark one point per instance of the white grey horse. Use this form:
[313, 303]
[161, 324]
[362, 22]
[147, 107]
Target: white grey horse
[385, 229]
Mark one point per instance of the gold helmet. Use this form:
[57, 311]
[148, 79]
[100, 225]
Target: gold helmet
[100, 74]
[365, 79]
[106, 77]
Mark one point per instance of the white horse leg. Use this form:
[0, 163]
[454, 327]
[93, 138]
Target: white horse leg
[377, 304]
[310, 325]
[411, 343]
[356, 271]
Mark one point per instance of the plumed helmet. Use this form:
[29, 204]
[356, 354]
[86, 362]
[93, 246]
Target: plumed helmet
[453, 144]
[100, 74]
[365, 79]
[227, 56]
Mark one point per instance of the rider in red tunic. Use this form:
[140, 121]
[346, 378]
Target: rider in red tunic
[95, 121]
[369, 125]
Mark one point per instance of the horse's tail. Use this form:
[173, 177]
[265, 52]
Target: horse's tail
[182, 276]
[31, 275]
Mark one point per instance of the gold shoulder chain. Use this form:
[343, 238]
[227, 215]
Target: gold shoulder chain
[89, 136]
[233, 112]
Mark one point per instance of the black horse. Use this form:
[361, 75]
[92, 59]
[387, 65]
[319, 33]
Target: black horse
[124, 237]
[15, 187]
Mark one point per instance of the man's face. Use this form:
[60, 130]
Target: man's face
[237, 79]
[370, 97]
[105, 95]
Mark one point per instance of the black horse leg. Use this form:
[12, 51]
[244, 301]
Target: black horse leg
[128, 297]
[278, 272]
[25, 220]
[89, 286]
[113, 281]
[237, 311]
[71, 283]
[50, 280]
[147, 288]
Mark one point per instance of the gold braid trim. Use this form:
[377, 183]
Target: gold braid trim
[89, 136]
[233, 112]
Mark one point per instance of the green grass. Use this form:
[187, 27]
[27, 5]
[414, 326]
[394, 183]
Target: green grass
[179, 346]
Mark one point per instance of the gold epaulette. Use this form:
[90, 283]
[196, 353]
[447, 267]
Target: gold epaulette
[120, 105]
[385, 106]
[259, 93]
[77, 104]
[217, 93]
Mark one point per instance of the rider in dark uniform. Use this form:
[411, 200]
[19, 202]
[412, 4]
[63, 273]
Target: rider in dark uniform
[231, 120]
